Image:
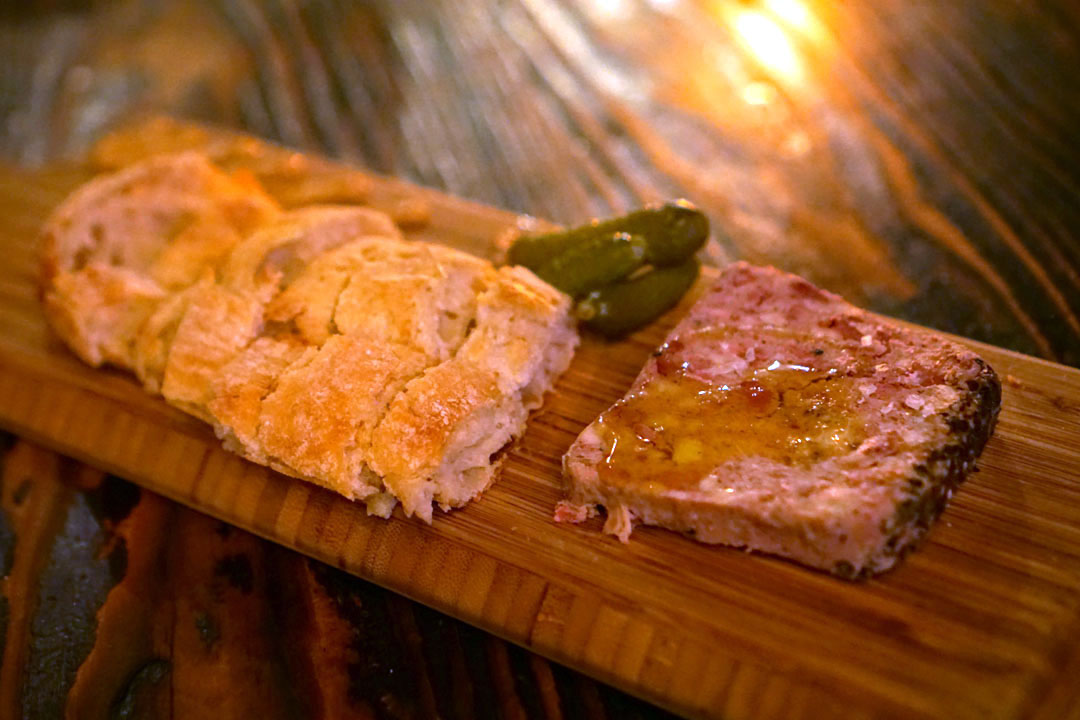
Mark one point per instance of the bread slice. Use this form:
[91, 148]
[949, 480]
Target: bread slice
[439, 438]
[406, 384]
[317, 341]
[776, 417]
[122, 243]
[216, 319]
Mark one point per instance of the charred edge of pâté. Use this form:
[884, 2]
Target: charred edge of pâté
[971, 421]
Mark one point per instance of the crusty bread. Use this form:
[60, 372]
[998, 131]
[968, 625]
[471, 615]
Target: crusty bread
[316, 341]
[439, 436]
[122, 243]
[779, 418]
[213, 320]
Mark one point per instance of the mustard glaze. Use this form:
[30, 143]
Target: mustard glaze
[674, 431]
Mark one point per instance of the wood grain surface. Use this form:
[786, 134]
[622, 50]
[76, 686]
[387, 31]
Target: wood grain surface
[918, 158]
[981, 622]
[117, 603]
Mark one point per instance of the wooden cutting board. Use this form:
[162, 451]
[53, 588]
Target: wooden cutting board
[983, 621]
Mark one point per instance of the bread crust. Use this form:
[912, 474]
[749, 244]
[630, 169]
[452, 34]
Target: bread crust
[929, 406]
[452, 421]
[122, 243]
[317, 341]
[218, 318]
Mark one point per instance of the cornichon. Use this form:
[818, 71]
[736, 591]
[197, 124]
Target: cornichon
[621, 308]
[594, 262]
[672, 233]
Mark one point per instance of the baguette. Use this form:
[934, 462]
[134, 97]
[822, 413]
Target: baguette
[316, 341]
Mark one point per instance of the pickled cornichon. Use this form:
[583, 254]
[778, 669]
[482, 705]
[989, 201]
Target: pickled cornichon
[672, 232]
[623, 307]
[594, 262]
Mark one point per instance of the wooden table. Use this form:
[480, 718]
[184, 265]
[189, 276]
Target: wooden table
[917, 159]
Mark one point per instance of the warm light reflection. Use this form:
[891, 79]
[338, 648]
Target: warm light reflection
[797, 16]
[610, 9]
[797, 144]
[793, 12]
[768, 43]
[759, 93]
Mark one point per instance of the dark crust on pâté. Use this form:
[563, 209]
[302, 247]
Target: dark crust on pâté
[971, 420]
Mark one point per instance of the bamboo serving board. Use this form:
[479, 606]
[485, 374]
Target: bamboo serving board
[983, 621]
